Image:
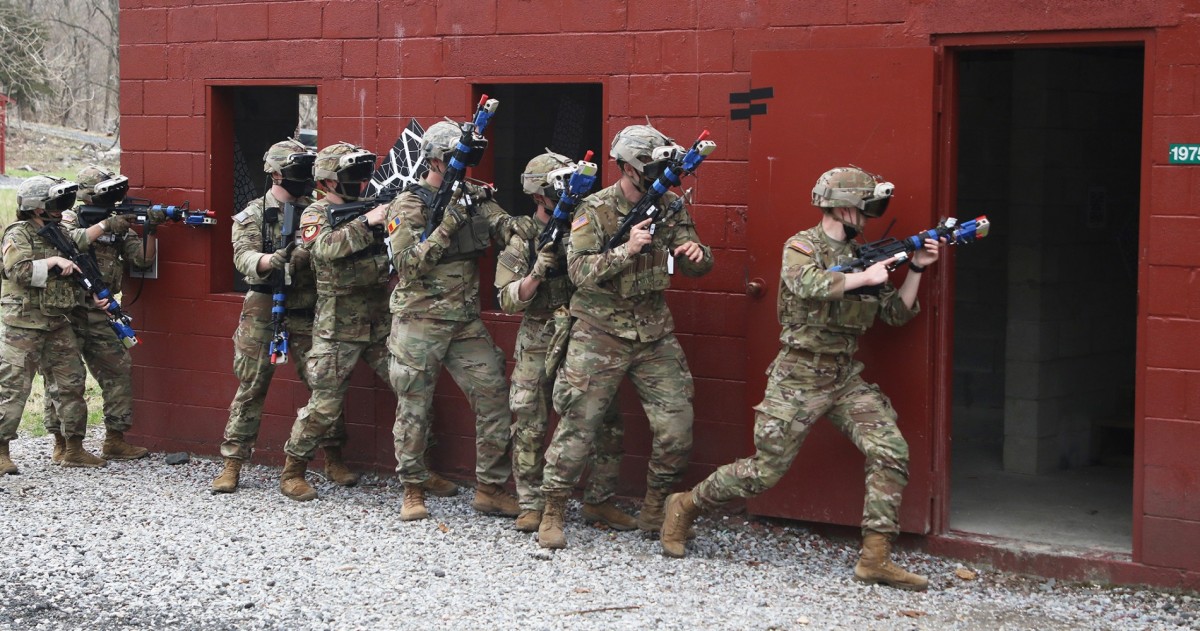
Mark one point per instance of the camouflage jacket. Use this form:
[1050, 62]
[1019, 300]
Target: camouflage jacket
[814, 310]
[621, 293]
[111, 253]
[248, 245]
[351, 268]
[33, 295]
[514, 264]
[430, 287]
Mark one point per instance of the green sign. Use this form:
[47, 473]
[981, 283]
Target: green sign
[1185, 153]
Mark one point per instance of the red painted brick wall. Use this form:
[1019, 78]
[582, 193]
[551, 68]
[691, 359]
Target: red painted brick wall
[378, 63]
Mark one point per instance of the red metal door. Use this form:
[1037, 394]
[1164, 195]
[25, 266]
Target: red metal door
[875, 109]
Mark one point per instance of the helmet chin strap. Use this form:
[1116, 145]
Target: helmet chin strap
[853, 228]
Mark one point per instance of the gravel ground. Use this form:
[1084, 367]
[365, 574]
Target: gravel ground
[144, 545]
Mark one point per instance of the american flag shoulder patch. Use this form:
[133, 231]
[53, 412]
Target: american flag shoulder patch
[800, 247]
[579, 223]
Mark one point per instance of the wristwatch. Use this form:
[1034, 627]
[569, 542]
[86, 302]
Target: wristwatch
[916, 268]
[366, 222]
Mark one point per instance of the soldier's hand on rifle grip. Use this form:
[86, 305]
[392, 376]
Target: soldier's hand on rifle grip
[101, 302]
[639, 237]
[279, 259]
[453, 218]
[154, 217]
[877, 274]
[929, 254]
[299, 259]
[117, 224]
[65, 266]
[690, 249]
[547, 259]
[377, 215]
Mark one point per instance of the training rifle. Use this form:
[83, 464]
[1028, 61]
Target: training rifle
[572, 183]
[676, 167]
[884, 249]
[467, 153]
[287, 241]
[92, 281]
[140, 209]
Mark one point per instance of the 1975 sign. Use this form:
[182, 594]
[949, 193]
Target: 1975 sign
[1185, 153]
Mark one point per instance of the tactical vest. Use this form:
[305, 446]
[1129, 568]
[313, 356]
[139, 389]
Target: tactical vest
[59, 296]
[647, 270]
[853, 314]
[368, 267]
[470, 241]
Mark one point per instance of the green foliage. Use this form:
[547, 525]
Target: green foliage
[23, 69]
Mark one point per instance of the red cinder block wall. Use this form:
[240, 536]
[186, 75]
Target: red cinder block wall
[375, 64]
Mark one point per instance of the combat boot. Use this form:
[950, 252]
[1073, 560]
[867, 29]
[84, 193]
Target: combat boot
[608, 514]
[550, 531]
[60, 447]
[529, 520]
[438, 486]
[227, 482]
[875, 565]
[413, 507]
[292, 482]
[76, 456]
[680, 512]
[6, 464]
[336, 469]
[650, 518]
[115, 447]
[493, 499]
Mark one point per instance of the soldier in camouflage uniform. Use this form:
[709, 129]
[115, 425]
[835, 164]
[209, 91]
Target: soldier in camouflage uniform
[435, 322]
[823, 314]
[105, 355]
[537, 290]
[351, 268]
[256, 235]
[35, 303]
[624, 328]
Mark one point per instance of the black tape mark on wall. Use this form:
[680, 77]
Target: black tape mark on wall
[752, 108]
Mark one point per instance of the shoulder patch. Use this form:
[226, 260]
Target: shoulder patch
[310, 232]
[579, 222]
[393, 224]
[310, 218]
[242, 217]
[801, 247]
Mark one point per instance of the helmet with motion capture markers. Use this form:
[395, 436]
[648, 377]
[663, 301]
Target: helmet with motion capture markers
[100, 187]
[45, 192]
[645, 149]
[852, 187]
[536, 179]
[440, 140]
[350, 165]
[293, 161]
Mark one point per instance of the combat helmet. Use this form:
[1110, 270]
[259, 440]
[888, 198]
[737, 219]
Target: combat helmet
[536, 179]
[852, 187]
[350, 165]
[52, 194]
[645, 149]
[440, 140]
[293, 161]
[100, 187]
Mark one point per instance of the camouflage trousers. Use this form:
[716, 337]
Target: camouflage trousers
[329, 365]
[109, 362]
[529, 398]
[56, 354]
[419, 348]
[253, 368]
[802, 388]
[585, 387]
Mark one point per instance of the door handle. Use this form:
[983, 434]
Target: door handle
[755, 288]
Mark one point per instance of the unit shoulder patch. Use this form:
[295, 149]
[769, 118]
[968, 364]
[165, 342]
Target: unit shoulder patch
[393, 224]
[310, 232]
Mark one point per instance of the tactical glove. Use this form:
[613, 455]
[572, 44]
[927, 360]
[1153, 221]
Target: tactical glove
[279, 259]
[117, 224]
[547, 260]
[300, 259]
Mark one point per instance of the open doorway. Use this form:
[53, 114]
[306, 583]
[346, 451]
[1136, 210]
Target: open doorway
[1049, 146]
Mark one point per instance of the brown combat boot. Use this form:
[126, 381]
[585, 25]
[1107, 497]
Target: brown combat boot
[608, 514]
[227, 482]
[60, 447]
[650, 518]
[529, 520]
[76, 456]
[550, 531]
[438, 486]
[115, 447]
[7, 467]
[680, 512]
[493, 499]
[414, 503]
[292, 482]
[875, 565]
[336, 469]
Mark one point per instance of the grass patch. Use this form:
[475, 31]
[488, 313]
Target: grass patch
[32, 419]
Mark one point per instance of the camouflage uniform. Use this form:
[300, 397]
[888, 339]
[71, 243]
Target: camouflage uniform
[816, 375]
[35, 307]
[351, 268]
[435, 321]
[531, 388]
[624, 328]
[105, 355]
[251, 357]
